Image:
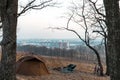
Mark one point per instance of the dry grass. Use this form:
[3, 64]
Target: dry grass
[83, 71]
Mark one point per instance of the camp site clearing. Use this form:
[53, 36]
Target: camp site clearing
[43, 68]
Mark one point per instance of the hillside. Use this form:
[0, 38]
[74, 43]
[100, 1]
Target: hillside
[83, 71]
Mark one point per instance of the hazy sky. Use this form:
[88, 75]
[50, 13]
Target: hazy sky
[34, 24]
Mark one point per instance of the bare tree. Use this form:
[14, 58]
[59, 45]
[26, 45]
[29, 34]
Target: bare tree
[86, 40]
[101, 23]
[97, 13]
[83, 23]
[8, 15]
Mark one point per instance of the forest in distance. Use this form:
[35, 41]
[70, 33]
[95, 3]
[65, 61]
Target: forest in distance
[77, 51]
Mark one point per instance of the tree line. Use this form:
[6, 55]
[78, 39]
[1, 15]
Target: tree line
[81, 53]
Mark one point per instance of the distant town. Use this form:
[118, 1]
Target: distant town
[54, 43]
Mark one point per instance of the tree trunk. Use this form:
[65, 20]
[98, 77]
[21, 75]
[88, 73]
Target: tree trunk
[8, 9]
[98, 59]
[107, 57]
[113, 24]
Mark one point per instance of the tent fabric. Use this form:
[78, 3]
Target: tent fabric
[31, 65]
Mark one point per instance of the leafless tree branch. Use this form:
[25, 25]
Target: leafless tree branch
[0, 26]
[39, 6]
[96, 9]
[100, 32]
[36, 6]
[0, 21]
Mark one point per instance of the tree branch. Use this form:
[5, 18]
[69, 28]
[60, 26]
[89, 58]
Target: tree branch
[97, 10]
[104, 33]
[100, 32]
[38, 6]
[1, 24]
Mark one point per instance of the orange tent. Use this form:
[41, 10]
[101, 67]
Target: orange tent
[31, 65]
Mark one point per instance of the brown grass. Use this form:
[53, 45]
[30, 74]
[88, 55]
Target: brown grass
[83, 71]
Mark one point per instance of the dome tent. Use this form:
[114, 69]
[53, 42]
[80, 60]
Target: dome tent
[31, 66]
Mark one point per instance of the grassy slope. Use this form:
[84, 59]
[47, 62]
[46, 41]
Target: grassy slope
[83, 71]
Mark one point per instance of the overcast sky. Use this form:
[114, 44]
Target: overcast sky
[34, 24]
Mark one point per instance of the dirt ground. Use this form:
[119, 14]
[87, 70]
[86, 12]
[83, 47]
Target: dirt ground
[83, 71]
[55, 75]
